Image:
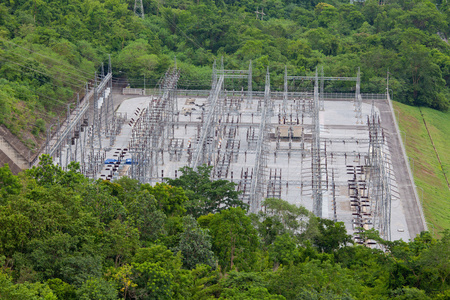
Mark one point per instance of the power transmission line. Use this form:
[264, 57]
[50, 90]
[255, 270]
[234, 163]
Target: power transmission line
[177, 28]
[53, 68]
[88, 75]
[57, 79]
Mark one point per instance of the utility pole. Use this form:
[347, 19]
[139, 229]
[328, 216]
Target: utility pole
[387, 82]
[139, 8]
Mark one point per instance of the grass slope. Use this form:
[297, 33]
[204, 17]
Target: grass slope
[428, 173]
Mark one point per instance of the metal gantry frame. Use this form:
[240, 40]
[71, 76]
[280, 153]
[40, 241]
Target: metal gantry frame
[99, 118]
[203, 150]
[358, 99]
[319, 155]
[380, 177]
[259, 174]
[215, 114]
[153, 130]
[72, 124]
[227, 130]
[321, 93]
[316, 154]
[91, 117]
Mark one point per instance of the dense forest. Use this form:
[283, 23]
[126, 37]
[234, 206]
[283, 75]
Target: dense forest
[63, 236]
[50, 49]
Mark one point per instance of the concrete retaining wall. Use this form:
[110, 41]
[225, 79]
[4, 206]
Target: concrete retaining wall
[13, 154]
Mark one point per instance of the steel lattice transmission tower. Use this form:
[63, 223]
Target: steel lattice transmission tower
[139, 8]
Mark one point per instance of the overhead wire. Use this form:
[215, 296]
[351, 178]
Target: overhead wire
[85, 80]
[68, 83]
[176, 26]
[40, 94]
[88, 75]
[59, 103]
[39, 79]
[28, 59]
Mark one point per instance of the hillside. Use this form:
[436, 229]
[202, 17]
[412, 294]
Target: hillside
[49, 50]
[430, 175]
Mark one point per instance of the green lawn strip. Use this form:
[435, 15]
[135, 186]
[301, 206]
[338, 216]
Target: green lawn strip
[439, 125]
[426, 168]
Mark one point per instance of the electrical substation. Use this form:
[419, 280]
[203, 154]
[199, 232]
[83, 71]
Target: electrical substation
[337, 154]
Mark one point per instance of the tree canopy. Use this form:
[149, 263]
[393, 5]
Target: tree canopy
[94, 239]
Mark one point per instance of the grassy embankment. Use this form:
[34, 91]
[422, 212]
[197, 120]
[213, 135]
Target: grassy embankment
[428, 172]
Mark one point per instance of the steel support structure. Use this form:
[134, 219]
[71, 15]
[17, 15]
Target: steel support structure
[249, 87]
[203, 151]
[139, 8]
[322, 83]
[212, 130]
[72, 125]
[262, 148]
[380, 178]
[321, 93]
[358, 99]
[153, 130]
[316, 153]
[71, 138]
[285, 94]
[102, 98]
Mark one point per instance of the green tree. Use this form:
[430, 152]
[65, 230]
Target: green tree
[205, 195]
[9, 184]
[98, 200]
[424, 76]
[235, 240]
[205, 282]
[14, 229]
[122, 276]
[326, 14]
[25, 291]
[158, 274]
[435, 261]
[169, 199]
[61, 289]
[195, 245]
[283, 250]
[146, 217]
[269, 227]
[153, 281]
[246, 285]
[331, 235]
[46, 173]
[316, 280]
[121, 241]
[290, 215]
[97, 288]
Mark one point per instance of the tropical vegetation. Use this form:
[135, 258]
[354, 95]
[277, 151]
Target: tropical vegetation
[63, 236]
